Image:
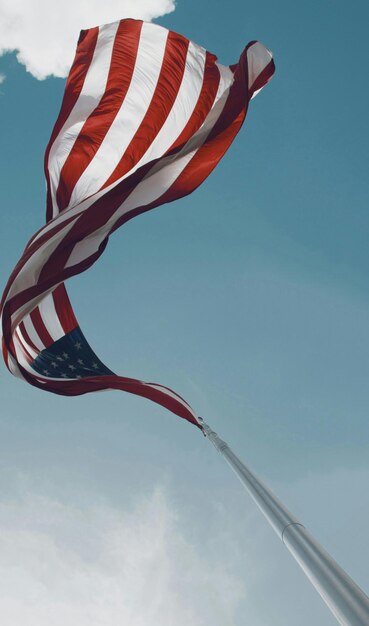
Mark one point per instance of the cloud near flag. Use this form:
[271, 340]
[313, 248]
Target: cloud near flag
[145, 118]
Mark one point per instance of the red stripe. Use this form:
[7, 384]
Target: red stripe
[203, 106]
[99, 383]
[40, 328]
[98, 123]
[24, 350]
[208, 156]
[210, 153]
[216, 144]
[27, 337]
[263, 77]
[9, 347]
[82, 61]
[166, 91]
[222, 134]
[64, 309]
[31, 249]
[196, 171]
[5, 353]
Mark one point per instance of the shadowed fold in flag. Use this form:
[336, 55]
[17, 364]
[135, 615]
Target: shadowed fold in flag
[146, 116]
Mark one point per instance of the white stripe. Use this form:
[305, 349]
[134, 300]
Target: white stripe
[22, 360]
[13, 367]
[24, 363]
[29, 274]
[184, 105]
[161, 176]
[27, 308]
[170, 394]
[144, 80]
[67, 214]
[50, 317]
[18, 342]
[20, 354]
[89, 98]
[32, 333]
[258, 57]
[26, 345]
[255, 93]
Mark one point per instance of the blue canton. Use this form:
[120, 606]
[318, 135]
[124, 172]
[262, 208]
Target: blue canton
[70, 357]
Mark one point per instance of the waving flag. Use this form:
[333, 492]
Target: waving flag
[146, 116]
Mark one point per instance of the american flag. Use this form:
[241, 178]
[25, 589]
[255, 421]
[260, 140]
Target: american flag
[146, 116]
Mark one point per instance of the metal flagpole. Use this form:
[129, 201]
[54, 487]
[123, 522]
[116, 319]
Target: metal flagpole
[348, 603]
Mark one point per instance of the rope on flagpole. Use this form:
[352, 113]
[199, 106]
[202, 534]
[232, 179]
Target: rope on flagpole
[348, 603]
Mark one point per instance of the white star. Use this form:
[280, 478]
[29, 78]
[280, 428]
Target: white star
[64, 376]
[65, 355]
[78, 345]
[95, 366]
[71, 367]
[46, 372]
[59, 358]
[80, 361]
[54, 364]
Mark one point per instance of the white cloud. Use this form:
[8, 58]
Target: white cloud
[152, 565]
[2, 78]
[61, 564]
[44, 32]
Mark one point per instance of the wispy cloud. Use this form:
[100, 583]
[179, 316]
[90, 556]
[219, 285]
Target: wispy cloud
[2, 78]
[62, 565]
[44, 33]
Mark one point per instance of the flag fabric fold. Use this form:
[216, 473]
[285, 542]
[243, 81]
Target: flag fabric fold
[145, 118]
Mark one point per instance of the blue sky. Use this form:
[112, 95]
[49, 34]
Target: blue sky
[249, 298]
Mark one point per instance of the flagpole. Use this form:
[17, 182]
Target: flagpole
[348, 603]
